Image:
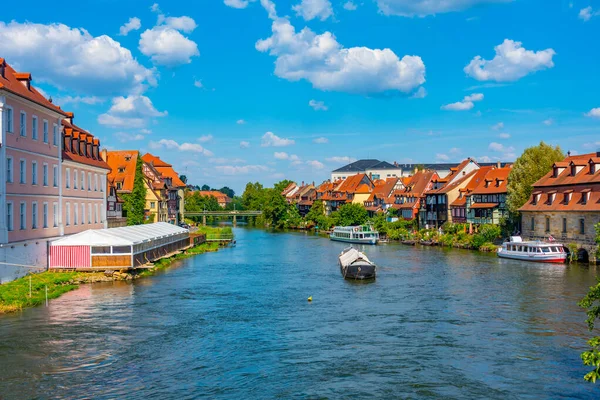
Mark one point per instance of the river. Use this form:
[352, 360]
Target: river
[236, 324]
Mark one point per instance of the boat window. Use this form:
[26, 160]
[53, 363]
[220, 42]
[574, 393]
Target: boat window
[554, 249]
[545, 249]
[539, 250]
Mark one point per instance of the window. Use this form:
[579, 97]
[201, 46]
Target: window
[34, 173]
[34, 128]
[547, 224]
[55, 176]
[95, 182]
[152, 204]
[82, 180]
[9, 216]
[89, 181]
[45, 172]
[55, 135]
[9, 120]
[34, 215]
[564, 225]
[22, 172]
[582, 226]
[532, 223]
[9, 169]
[23, 216]
[68, 215]
[74, 179]
[45, 215]
[76, 214]
[89, 213]
[121, 170]
[102, 184]
[23, 124]
[55, 215]
[584, 197]
[67, 178]
[82, 213]
[45, 131]
[119, 185]
[95, 213]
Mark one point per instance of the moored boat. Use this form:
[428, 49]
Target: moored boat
[537, 251]
[363, 234]
[355, 265]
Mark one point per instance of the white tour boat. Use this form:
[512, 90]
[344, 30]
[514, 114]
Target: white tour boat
[363, 234]
[546, 252]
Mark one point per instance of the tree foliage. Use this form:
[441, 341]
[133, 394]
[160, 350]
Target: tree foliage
[205, 188]
[350, 214]
[316, 216]
[534, 163]
[183, 178]
[134, 203]
[228, 191]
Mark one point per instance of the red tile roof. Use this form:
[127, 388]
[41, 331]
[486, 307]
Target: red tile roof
[73, 154]
[566, 178]
[496, 180]
[165, 169]
[351, 183]
[125, 160]
[12, 81]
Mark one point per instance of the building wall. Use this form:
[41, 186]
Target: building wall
[152, 199]
[30, 253]
[360, 198]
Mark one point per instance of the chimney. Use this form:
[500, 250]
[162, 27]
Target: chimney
[104, 155]
[499, 164]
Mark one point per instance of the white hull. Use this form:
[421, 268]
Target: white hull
[543, 258]
[544, 252]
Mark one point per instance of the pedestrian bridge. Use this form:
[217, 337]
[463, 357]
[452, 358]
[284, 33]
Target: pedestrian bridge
[234, 214]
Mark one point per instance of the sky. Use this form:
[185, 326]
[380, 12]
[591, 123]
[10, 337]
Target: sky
[231, 91]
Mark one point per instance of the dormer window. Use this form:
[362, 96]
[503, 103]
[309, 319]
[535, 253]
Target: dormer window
[121, 170]
[487, 183]
[567, 197]
[499, 182]
[551, 197]
[573, 170]
[128, 158]
[119, 185]
[584, 197]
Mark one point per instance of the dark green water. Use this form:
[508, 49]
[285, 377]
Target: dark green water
[237, 324]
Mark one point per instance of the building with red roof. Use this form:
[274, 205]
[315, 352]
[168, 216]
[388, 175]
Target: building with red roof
[486, 201]
[175, 188]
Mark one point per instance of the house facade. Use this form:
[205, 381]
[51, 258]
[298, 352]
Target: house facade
[486, 203]
[173, 186]
[565, 204]
[409, 199]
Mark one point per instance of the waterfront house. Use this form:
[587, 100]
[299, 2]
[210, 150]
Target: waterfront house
[114, 206]
[565, 204]
[304, 198]
[222, 198]
[408, 200]
[173, 185]
[375, 169]
[290, 191]
[486, 203]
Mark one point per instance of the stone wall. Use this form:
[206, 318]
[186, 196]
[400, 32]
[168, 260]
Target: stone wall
[572, 234]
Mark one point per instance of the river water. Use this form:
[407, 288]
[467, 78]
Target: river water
[237, 324]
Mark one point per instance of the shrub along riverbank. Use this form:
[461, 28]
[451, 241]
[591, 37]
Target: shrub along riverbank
[30, 291]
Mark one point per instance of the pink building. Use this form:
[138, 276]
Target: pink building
[37, 196]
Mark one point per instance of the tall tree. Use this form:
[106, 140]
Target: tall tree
[534, 163]
[134, 203]
[183, 178]
[229, 192]
[205, 188]
[350, 214]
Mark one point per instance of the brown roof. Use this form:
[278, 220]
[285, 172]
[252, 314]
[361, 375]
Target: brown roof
[214, 193]
[496, 180]
[575, 204]
[386, 187]
[484, 205]
[73, 154]
[125, 160]
[565, 177]
[363, 188]
[420, 181]
[154, 160]
[165, 169]
[12, 81]
[351, 183]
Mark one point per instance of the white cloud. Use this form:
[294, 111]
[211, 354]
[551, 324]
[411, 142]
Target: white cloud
[594, 145]
[454, 150]
[587, 13]
[270, 139]
[321, 140]
[222, 160]
[244, 144]
[315, 164]
[124, 137]
[198, 83]
[130, 112]
[71, 58]
[173, 145]
[327, 65]
[133, 24]
[504, 136]
[269, 6]
[240, 122]
[311, 9]
[341, 159]
[422, 8]
[420, 93]
[205, 138]
[240, 169]
[281, 155]
[89, 100]
[184, 24]
[593, 113]
[155, 8]
[146, 131]
[500, 148]
[548, 122]
[442, 157]
[167, 46]
[466, 104]
[318, 105]
[237, 3]
[350, 5]
[485, 159]
[511, 63]
[498, 126]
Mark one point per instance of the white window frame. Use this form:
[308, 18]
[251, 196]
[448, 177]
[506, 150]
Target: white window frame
[34, 127]
[9, 169]
[45, 174]
[102, 184]
[10, 216]
[68, 178]
[23, 215]
[45, 215]
[82, 213]
[95, 213]
[75, 179]
[75, 213]
[23, 124]
[10, 119]
[34, 215]
[89, 181]
[55, 215]
[82, 180]
[45, 130]
[54, 175]
[22, 171]
[68, 214]
[55, 135]
[34, 173]
[89, 213]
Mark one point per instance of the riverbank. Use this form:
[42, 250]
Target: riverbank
[33, 290]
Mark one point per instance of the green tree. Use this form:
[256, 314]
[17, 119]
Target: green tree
[275, 209]
[534, 163]
[229, 192]
[350, 214]
[205, 188]
[134, 203]
[280, 186]
[183, 178]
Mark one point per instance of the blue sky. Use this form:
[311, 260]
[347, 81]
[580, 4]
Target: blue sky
[230, 91]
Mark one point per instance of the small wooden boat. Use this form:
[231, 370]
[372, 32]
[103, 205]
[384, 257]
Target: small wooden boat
[355, 265]
[546, 252]
[409, 242]
[427, 243]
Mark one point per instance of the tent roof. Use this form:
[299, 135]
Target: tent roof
[123, 236]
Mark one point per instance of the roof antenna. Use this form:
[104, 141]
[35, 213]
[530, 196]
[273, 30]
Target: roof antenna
[569, 153]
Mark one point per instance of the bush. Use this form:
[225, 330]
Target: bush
[573, 252]
[488, 247]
